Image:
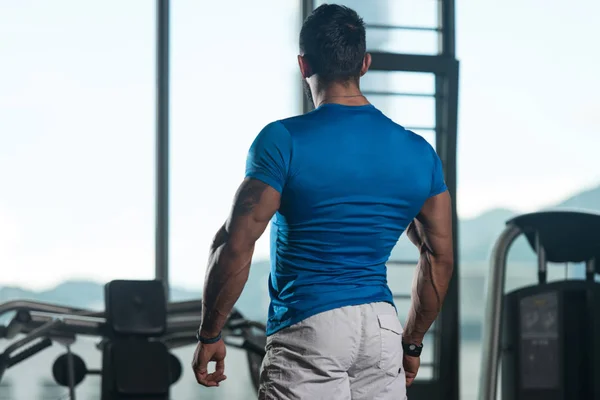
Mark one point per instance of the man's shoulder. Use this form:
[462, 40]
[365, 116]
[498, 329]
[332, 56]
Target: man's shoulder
[274, 129]
[413, 137]
[297, 123]
[282, 129]
[400, 129]
[412, 143]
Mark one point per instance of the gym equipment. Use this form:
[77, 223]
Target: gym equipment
[137, 330]
[133, 366]
[549, 334]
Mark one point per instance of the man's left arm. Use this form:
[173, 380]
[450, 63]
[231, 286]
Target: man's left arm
[255, 203]
[231, 252]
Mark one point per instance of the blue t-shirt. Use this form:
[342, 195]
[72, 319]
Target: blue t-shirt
[351, 181]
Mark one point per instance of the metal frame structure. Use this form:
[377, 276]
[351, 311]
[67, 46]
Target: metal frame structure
[162, 143]
[488, 384]
[445, 67]
[39, 325]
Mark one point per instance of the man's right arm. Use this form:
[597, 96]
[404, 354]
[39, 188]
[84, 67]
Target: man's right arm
[431, 232]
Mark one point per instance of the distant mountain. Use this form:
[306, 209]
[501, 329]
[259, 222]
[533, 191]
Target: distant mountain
[253, 302]
[588, 199]
[83, 294]
[478, 235]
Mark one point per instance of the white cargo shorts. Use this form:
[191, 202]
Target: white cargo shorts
[349, 353]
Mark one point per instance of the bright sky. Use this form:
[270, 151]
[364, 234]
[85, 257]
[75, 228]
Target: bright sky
[77, 119]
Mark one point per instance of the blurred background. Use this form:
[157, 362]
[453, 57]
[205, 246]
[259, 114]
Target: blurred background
[78, 137]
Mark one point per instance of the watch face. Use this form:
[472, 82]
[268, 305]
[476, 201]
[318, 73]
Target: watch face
[412, 349]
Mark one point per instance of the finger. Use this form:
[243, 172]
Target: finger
[201, 371]
[207, 381]
[201, 377]
[210, 380]
[220, 367]
[202, 365]
[410, 377]
[214, 376]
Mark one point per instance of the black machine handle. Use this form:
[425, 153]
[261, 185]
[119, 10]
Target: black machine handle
[6, 361]
[39, 332]
[541, 258]
[590, 269]
[28, 352]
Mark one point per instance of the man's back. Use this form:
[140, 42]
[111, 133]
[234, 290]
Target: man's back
[339, 185]
[353, 180]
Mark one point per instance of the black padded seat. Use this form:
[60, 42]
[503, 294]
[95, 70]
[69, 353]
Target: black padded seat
[566, 236]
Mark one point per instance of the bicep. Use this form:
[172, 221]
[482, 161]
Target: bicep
[254, 205]
[435, 225]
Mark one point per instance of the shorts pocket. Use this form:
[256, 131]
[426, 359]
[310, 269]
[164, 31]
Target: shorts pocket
[390, 331]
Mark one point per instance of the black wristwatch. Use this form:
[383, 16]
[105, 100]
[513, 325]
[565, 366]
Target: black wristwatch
[412, 350]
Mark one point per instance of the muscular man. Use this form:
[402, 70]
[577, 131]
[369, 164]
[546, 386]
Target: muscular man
[339, 185]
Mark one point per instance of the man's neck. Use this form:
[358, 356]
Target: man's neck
[340, 93]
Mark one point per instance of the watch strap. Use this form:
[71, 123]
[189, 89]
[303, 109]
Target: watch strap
[412, 350]
[204, 340]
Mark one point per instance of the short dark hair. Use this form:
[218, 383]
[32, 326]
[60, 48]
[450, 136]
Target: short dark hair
[332, 40]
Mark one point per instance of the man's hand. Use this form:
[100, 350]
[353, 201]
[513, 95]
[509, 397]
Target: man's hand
[204, 354]
[411, 367]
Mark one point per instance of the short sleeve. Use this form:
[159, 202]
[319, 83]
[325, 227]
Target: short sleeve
[269, 156]
[438, 183]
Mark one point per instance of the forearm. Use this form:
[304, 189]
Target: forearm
[254, 205]
[227, 273]
[430, 284]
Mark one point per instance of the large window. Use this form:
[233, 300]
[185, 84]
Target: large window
[76, 156]
[528, 136]
[233, 71]
[76, 149]
[398, 26]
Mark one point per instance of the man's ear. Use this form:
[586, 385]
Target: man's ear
[366, 64]
[305, 69]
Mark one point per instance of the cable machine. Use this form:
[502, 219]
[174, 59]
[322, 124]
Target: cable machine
[547, 335]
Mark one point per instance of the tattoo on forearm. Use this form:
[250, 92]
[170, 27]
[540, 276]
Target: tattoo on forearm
[247, 197]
